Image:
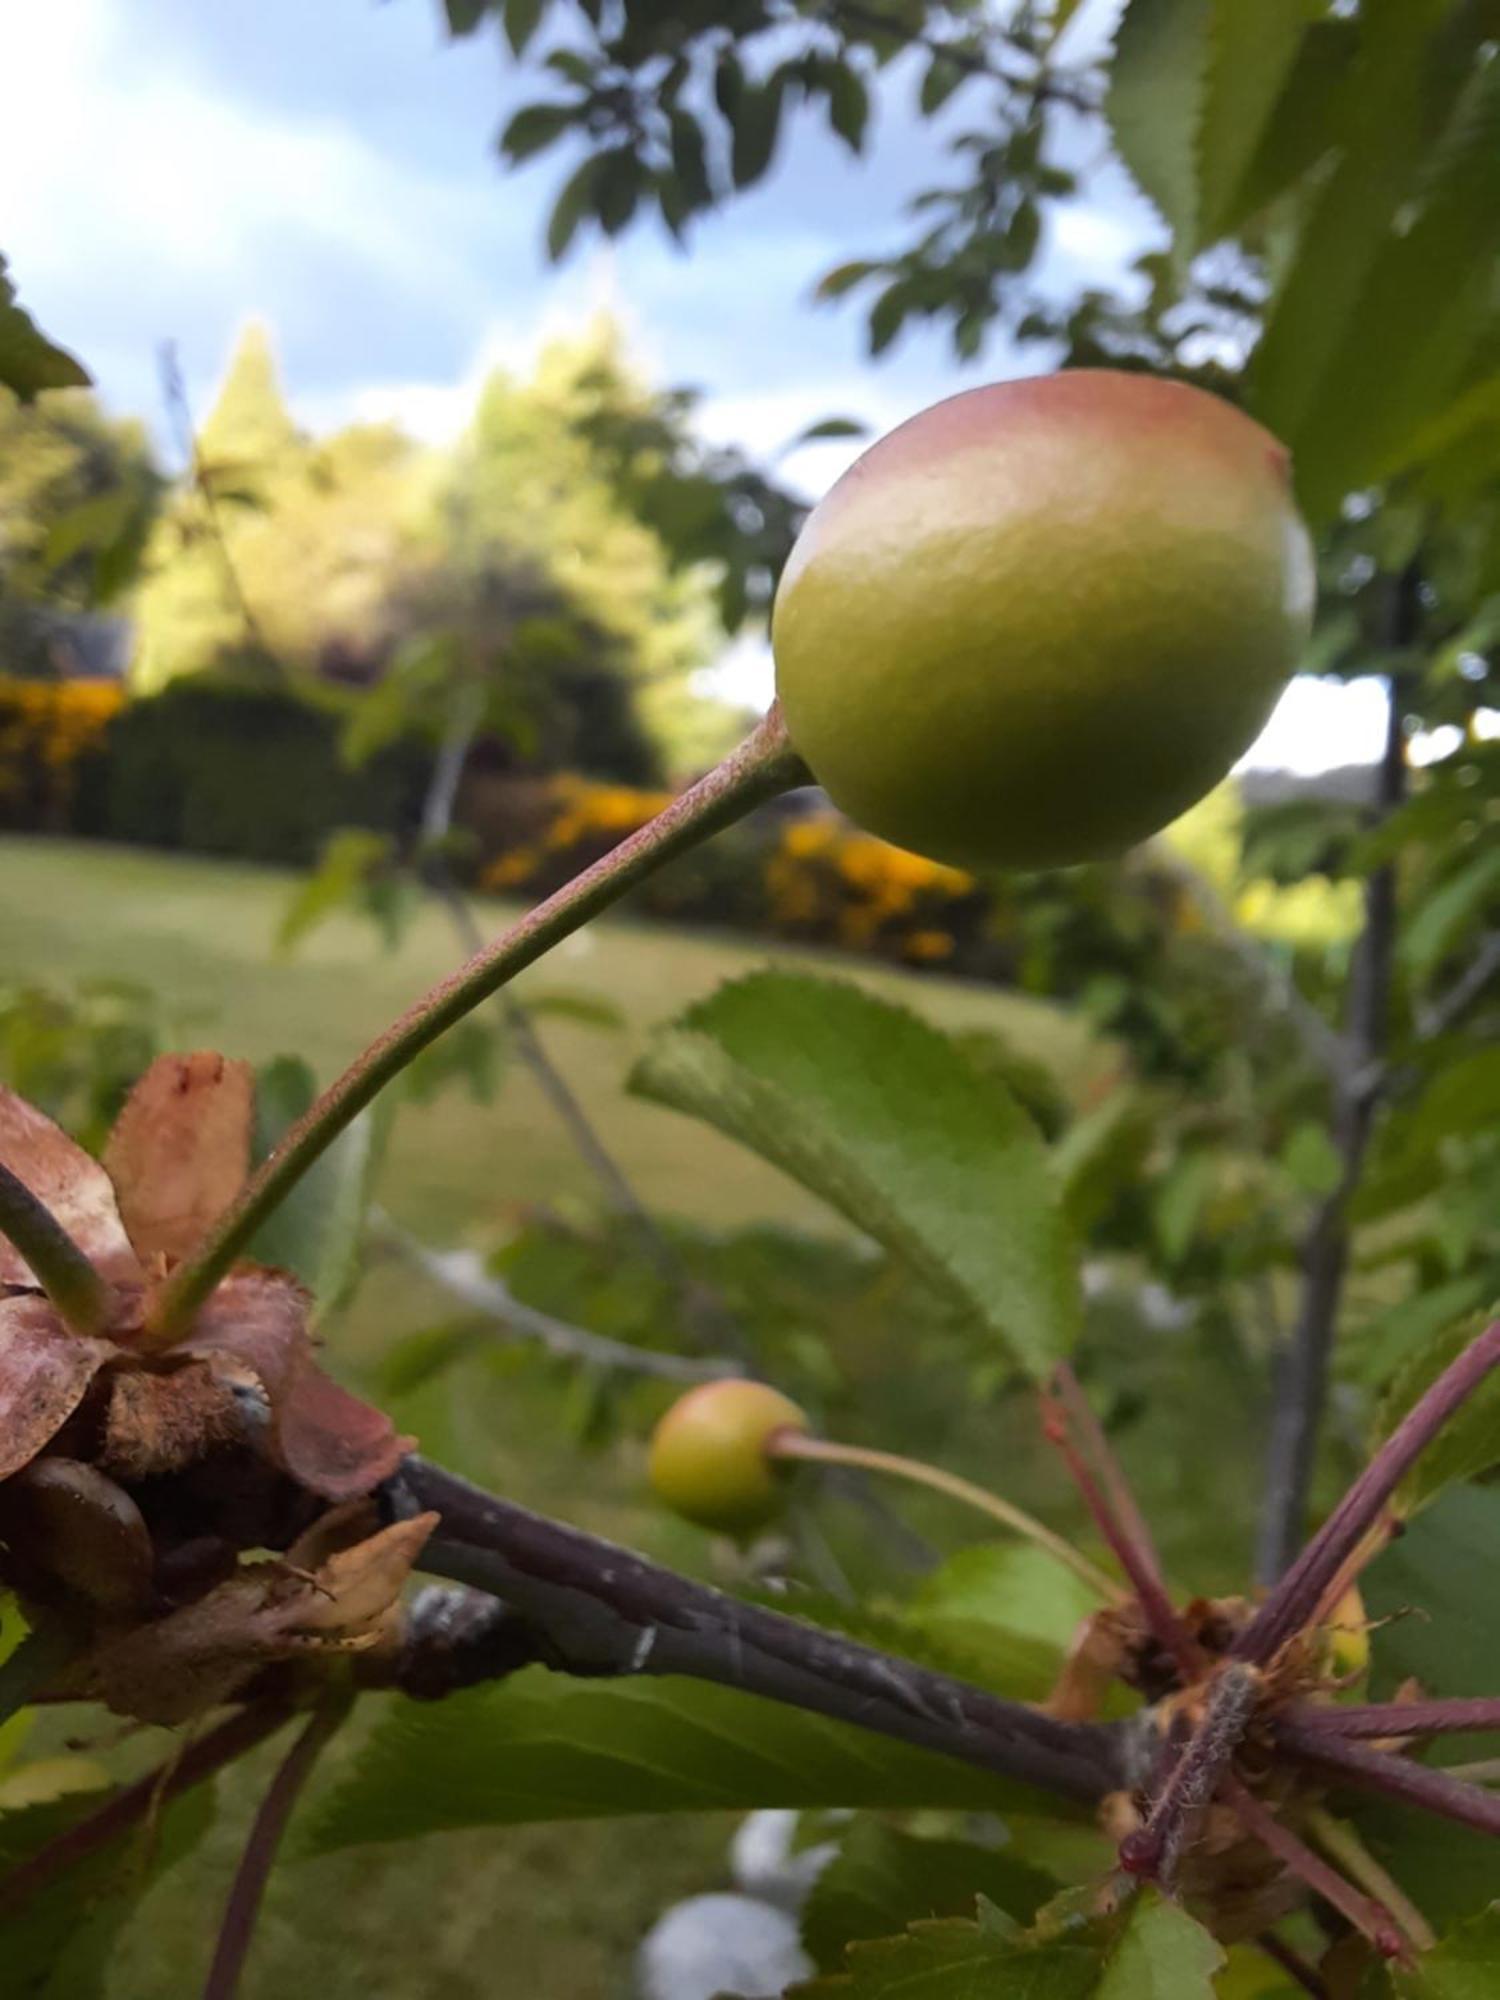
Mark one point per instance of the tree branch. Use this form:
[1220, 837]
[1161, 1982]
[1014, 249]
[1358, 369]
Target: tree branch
[462, 1275]
[602, 1610]
[1445, 1011]
[1301, 1385]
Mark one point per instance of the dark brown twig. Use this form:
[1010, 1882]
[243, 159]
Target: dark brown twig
[603, 1610]
[1293, 1964]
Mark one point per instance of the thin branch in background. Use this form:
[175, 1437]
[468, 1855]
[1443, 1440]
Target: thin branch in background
[1449, 1008]
[1293, 1964]
[139, 1801]
[603, 1610]
[180, 413]
[258, 1858]
[462, 1275]
[1301, 1378]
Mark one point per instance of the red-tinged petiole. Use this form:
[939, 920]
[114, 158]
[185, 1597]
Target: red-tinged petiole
[64, 1273]
[1370, 1918]
[1399, 1719]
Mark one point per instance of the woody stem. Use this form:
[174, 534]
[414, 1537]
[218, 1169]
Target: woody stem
[764, 765]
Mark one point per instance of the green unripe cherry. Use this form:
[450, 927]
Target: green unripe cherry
[708, 1458]
[1037, 622]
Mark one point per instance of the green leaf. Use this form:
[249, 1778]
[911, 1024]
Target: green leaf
[1152, 1951]
[318, 1231]
[542, 1746]
[848, 104]
[881, 1878]
[345, 865]
[756, 119]
[843, 278]
[533, 129]
[1464, 1966]
[1020, 1590]
[1158, 86]
[885, 1119]
[1253, 46]
[29, 361]
[1432, 1587]
[1439, 921]
[464, 16]
[60, 1943]
[576, 199]
[522, 18]
[1469, 1443]
[1310, 1160]
[943, 77]
[1448, 1871]
[829, 427]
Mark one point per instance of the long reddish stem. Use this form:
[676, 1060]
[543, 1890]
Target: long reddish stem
[1195, 1778]
[1294, 1601]
[1395, 1777]
[254, 1871]
[1459, 1717]
[135, 1802]
[1137, 1561]
[1373, 1920]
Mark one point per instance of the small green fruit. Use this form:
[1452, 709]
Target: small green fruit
[1037, 622]
[708, 1457]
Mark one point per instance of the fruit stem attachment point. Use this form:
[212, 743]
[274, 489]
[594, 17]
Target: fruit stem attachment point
[793, 1444]
[763, 766]
[61, 1269]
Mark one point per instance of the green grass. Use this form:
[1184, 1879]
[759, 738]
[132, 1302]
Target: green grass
[549, 1911]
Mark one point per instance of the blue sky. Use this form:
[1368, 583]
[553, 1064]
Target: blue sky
[172, 168]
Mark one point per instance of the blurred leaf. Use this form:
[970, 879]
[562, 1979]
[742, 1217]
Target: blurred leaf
[843, 277]
[59, 1944]
[1440, 919]
[1158, 83]
[756, 122]
[881, 1877]
[1253, 46]
[29, 361]
[544, 1747]
[848, 104]
[1019, 1589]
[942, 78]
[464, 16]
[1443, 1625]
[1390, 1340]
[1311, 1161]
[883, 1117]
[1469, 1442]
[1102, 1153]
[533, 128]
[588, 1010]
[318, 1231]
[1178, 1202]
[344, 867]
[1448, 1871]
[522, 18]
[1152, 1950]
[576, 200]
[1462, 1966]
[829, 427]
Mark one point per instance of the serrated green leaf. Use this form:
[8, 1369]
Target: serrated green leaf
[1463, 1966]
[882, 1878]
[29, 361]
[58, 1945]
[541, 1746]
[1152, 1951]
[318, 1231]
[883, 1117]
[1253, 46]
[1469, 1443]
[1157, 91]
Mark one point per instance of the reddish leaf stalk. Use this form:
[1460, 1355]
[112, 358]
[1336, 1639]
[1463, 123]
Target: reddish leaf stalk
[168, 1781]
[1370, 1918]
[1295, 1600]
[1138, 1563]
[61, 1269]
[254, 1871]
[1402, 1718]
[1418, 1785]
[762, 767]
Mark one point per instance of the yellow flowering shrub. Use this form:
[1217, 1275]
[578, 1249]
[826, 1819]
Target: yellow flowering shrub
[46, 729]
[827, 880]
[587, 819]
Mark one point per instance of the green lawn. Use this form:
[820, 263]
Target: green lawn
[545, 1912]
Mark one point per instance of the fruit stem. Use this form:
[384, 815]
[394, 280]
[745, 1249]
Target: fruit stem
[763, 766]
[66, 1276]
[258, 1858]
[1295, 1600]
[1371, 1918]
[820, 1451]
[1459, 1716]
[1342, 1844]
